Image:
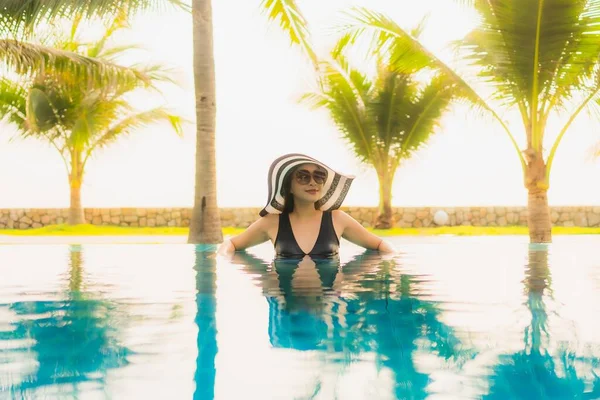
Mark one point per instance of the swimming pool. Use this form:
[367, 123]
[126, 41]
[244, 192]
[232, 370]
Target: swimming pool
[450, 317]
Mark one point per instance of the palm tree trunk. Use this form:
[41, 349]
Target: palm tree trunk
[385, 216]
[205, 224]
[75, 180]
[540, 225]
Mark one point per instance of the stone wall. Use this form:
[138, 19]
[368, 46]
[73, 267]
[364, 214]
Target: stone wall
[405, 217]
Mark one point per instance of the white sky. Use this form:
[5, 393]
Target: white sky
[259, 78]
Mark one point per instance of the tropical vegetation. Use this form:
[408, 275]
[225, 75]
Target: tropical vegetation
[386, 119]
[540, 59]
[78, 116]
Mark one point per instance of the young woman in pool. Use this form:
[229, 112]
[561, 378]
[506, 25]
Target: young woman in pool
[301, 216]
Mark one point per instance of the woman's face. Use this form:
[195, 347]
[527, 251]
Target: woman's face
[307, 182]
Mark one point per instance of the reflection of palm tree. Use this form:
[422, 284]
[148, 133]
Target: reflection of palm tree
[534, 373]
[400, 322]
[205, 267]
[75, 339]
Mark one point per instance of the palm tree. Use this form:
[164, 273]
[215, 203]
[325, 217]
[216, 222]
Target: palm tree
[205, 225]
[540, 57]
[78, 116]
[387, 119]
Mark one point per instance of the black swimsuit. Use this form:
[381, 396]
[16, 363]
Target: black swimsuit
[327, 244]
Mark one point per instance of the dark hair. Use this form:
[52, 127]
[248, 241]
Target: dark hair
[286, 190]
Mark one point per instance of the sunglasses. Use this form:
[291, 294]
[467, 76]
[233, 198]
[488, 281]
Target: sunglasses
[303, 177]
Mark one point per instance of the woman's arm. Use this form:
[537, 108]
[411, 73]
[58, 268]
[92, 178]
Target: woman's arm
[255, 234]
[353, 231]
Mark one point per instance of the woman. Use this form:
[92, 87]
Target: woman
[301, 217]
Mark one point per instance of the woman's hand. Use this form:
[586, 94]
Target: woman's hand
[226, 249]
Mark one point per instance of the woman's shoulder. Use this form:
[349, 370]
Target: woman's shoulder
[340, 218]
[339, 214]
[270, 220]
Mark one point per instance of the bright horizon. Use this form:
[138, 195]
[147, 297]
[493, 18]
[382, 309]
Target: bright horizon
[469, 162]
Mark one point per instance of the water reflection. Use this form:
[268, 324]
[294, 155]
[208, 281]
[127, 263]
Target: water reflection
[206, 303]
[72, 339]
[545, 368]
[367, 305]
[162, 322]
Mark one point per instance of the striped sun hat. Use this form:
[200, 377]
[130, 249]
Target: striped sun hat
[334, 190]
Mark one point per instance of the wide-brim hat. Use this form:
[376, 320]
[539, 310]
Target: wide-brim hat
[334, 190]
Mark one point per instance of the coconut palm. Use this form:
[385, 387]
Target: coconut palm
[78, 116]
[205, 226]
[540, 58]
[387, 119]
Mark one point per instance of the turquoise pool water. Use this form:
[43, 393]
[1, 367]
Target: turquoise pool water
[448, 318]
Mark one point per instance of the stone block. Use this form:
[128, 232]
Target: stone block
[421, 214]
[409, 217]
[593, 219]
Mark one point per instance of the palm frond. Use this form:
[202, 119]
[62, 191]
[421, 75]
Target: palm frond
[151, 74]
[136, 121]
[13, 103]
[426, 113]
[340, 46]
[113, 53]
[28, 58]
[119, 22]
[93, 114]
[535, 52]
[18, 15]
[405, 52]
[387, 34]
[291, 20]
[390, 104]
[344, 93]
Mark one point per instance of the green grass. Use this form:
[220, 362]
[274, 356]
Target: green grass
[94, 230]
[481, 231]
